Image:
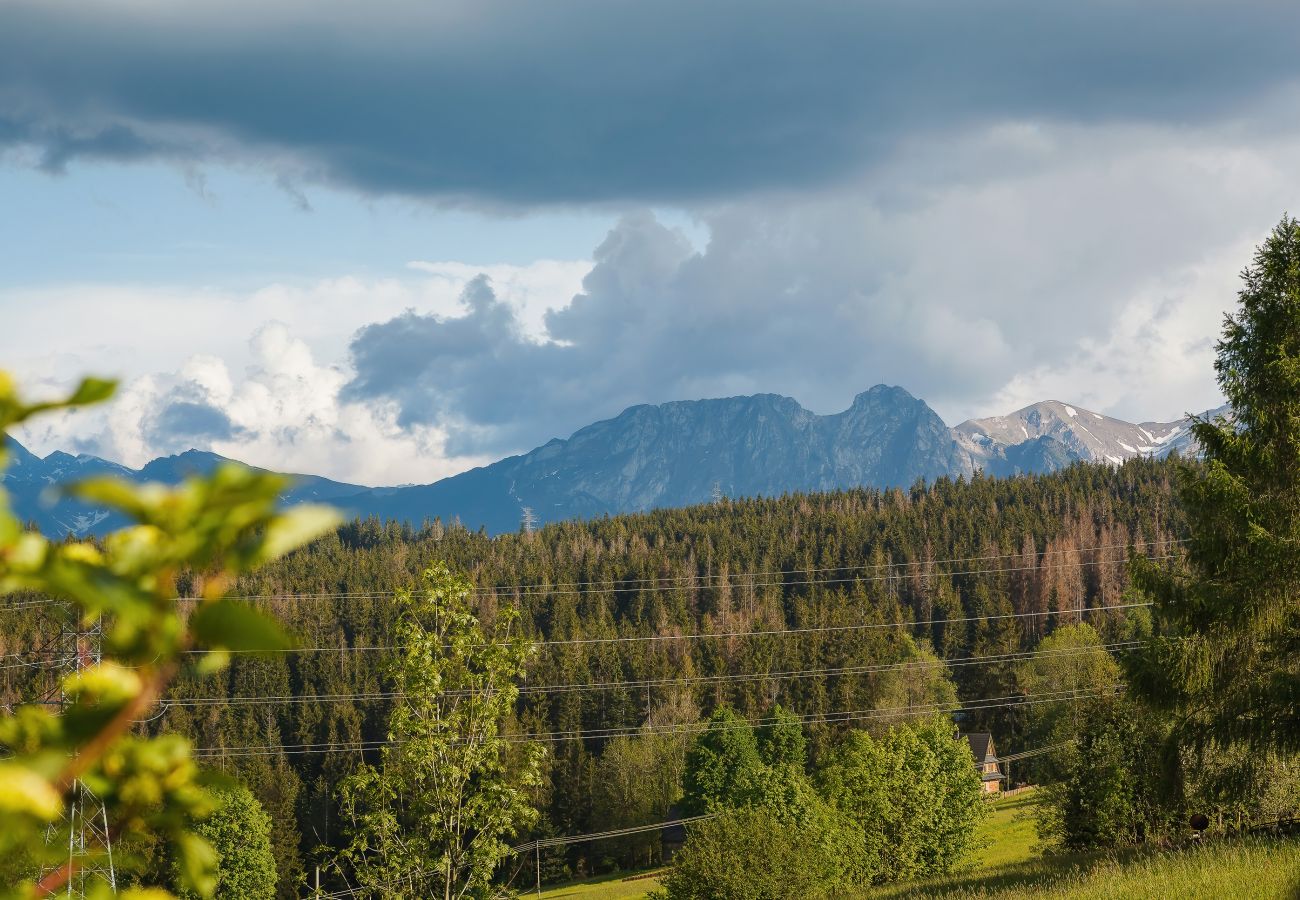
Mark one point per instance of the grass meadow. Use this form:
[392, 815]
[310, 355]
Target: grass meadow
[1248, 869]
[1009, 866]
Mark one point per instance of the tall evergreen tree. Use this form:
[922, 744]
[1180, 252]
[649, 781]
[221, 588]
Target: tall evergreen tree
[1227, 666]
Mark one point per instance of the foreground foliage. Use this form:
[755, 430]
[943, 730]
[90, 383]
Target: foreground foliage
[192, 540]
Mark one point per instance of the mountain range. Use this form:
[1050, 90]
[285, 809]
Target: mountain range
[671, 454]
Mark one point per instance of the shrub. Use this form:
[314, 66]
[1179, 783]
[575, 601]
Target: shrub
[1111, 793]
[751, 854]
[240, 831]
[914, 794]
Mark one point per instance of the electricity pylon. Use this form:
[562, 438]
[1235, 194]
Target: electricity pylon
[90, 843]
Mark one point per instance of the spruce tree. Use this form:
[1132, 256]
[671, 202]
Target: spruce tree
[1226, 665]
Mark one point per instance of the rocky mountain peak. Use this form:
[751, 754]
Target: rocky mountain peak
[676, 454]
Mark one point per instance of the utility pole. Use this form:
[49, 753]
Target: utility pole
[716, 494]
[90, 843]
[529, 520]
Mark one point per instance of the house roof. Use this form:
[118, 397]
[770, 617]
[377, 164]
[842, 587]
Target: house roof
[981, 746]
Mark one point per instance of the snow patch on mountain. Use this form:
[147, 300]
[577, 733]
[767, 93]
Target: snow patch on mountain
[992, 442]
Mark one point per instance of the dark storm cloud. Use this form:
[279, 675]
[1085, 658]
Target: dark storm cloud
[475, 373]
[181, 424]
[1107, 260]
[656, 320]
[518, 102]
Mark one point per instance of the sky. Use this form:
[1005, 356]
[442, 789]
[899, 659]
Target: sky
[387, 242]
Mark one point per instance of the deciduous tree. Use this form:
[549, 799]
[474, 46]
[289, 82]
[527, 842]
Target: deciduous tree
[433, 817]
[239, 830]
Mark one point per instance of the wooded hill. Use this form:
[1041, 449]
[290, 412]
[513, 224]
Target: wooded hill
[985, 567]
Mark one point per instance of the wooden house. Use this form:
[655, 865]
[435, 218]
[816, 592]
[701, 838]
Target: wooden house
[986, 761]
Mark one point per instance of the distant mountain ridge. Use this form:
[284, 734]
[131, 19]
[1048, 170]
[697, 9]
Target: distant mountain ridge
[1040, 437]
[32, 483]
[671, 454]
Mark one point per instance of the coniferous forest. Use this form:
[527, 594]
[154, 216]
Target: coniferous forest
[840, 608]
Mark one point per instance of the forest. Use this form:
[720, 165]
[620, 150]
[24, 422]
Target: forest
[859, 608]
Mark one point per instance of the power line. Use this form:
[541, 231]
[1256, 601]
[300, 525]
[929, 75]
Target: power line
[652, 585]
[774, 632]
[604, 835]
[674, 581]
[822, 629]
[1011, 700]
[540, 843]
[1027, 754]
[637, 586]
[529, 690]
[40, 664]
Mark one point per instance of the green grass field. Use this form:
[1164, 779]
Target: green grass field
[1248, 869]
[1009, 834]
[1006, 867]
[609, 887]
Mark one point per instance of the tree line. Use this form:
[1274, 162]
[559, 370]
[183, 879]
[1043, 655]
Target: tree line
[985, 567]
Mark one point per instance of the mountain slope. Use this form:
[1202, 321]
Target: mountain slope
[1045, 436]
[32, 483]
[673, 454]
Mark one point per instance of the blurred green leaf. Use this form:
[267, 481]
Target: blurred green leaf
[197, 862]
[229, 625]
[210, 663]
[143, 893]
[13, 411]
[296, 527]
[139, 502]
[24, 792]
[92, 390]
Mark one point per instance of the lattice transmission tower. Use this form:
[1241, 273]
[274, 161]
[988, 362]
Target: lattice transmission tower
[90, 843]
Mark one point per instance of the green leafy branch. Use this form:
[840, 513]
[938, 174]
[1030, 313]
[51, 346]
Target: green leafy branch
[210, 530]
